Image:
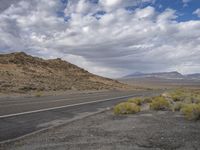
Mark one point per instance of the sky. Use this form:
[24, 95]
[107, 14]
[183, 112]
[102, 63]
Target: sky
[111, 38]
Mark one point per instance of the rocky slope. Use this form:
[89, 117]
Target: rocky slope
[20, 72]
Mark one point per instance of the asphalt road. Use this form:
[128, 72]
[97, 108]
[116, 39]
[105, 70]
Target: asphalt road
[21, 116]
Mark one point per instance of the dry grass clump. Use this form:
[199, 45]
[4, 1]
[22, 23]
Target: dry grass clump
[38, 94]
[185, 101]
[177, 106]
[188, 102]
[191, 111]
[126, 108]
[186, 96]
[159, 103]
[147, 100]
[195, 98]
[178, 95]
[137, 101]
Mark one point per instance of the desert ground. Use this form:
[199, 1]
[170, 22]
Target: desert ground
[148, 130]
[104, 130]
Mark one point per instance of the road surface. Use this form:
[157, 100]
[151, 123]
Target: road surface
[21, 116]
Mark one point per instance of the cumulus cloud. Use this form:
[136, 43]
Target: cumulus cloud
[111, 5]
[102, 36]
[197, 12]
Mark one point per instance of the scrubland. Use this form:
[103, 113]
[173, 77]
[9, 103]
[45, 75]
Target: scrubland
[183, 100]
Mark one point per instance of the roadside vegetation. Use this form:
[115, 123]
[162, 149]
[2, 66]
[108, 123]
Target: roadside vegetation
[137, 101]
[126, 108]
[38, 94]
[187, 102]
[191, 111]
[159, 103]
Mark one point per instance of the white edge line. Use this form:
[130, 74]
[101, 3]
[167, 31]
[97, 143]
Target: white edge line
[49, 128]
[59, 107]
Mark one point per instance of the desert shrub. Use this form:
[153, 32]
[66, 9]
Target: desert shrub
[188, 100]
[191, 111]
[195, 98]
[147, 100]
[166, 95]
[137, 101]
[27, 88]
[38, 94]
[186, 96]
[159, 103]
[177, 95]
[177, 106]
[126, 108]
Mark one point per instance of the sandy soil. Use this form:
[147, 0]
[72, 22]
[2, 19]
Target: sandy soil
[146, 130]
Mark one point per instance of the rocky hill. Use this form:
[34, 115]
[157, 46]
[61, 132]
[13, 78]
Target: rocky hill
[20, 72]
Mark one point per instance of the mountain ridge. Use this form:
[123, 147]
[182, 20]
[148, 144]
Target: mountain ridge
[193, 76]
[163, 75]
[173, 74]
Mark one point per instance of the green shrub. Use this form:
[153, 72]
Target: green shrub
[126, 108]
[159, 103]
[191, 111]
[137, 101]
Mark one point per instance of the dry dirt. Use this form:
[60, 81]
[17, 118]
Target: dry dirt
[148, 130]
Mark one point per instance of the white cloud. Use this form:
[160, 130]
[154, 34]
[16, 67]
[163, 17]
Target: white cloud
[185, 2]
[145, 13]
[110, 3]
[197, 12]
[117, 43]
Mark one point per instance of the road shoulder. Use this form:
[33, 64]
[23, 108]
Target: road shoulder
[145, 130]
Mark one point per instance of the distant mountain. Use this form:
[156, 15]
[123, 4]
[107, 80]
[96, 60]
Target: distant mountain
[20, 72]
[193, 76]
[163, 75]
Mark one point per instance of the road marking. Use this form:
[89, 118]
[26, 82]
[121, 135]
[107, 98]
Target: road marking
[28, 103]
[44, 100]
[49, 101]
[65, 106]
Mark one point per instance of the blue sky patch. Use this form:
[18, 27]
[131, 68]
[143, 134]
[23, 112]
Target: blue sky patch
[98, 14]
[185, 12]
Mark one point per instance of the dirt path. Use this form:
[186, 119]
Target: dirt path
[146, 130]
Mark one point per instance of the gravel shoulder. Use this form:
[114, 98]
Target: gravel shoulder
[162, 130]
